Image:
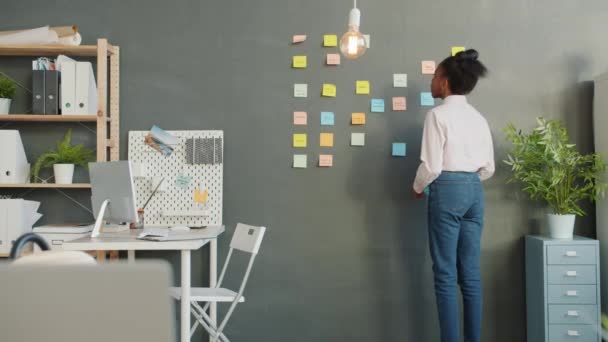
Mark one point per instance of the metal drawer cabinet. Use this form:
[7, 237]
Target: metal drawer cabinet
[562, 290]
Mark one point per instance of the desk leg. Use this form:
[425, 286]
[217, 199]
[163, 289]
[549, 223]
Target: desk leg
[101, 256]
[185, 302]
[213, 277]
[131, 256]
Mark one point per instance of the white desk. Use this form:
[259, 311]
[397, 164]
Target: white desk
[126, 241]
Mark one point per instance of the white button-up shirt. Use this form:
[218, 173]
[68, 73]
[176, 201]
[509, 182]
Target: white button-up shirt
[456, 137]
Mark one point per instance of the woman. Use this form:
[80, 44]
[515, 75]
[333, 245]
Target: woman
[456, 155]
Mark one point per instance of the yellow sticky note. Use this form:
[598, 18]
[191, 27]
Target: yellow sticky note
[327, 139]
[362, 87]
[330, 40]
[201, 196]
[299, 61]
[457, 49]
[329, 90]
[299, 140]
[358, 119]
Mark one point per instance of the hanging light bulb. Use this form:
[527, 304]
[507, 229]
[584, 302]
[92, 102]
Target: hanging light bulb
[352, 43]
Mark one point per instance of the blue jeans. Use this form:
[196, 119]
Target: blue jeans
[456, 209]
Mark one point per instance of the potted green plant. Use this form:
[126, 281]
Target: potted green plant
[63, 160]
[7, 93]
[552, 170]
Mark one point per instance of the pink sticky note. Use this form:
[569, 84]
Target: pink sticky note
[299, 118]
[428, 67]
[298, 38]
[326, 160]
[399, 103]
[333, 59]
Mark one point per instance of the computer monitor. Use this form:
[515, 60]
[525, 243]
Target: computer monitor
[113, 194]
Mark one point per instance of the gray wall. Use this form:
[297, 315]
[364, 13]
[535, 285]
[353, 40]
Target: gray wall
[345, 256]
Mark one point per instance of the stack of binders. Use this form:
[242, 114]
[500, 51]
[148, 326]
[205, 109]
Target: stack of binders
[45, 87]
[70, 89]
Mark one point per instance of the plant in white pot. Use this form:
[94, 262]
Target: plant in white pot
[7, 93]
[552, 170]
[63, 160]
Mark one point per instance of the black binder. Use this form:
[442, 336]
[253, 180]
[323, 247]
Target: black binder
[38, 97]
[51, 92]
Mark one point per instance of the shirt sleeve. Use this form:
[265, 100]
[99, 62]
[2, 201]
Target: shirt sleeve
[487, 171]
[431, 154]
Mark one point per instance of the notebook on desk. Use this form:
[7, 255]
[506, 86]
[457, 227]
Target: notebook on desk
[163, 234]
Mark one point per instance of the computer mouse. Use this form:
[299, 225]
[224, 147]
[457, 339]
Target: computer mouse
[179, 228]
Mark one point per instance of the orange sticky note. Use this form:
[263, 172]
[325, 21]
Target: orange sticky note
[201, 196]
[326, 160]
[298, 38]
[358, 118]
[428, 67]
[333, 59]
[399, 103]
[327, 139]
[299, 118]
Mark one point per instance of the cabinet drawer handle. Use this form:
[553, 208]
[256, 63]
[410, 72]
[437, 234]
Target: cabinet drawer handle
[572, 293]
[571, 273]
[573, 333]
[571, 253]
[56, 242]
[572, 313]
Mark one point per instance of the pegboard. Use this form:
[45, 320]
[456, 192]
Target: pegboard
[175, 198]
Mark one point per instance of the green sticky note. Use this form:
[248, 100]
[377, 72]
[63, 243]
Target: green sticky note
[182, 181]
[299, 161]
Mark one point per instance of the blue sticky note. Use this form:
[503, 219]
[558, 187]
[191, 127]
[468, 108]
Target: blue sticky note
[378, 105]
[399, 149]
[327, 118]
[426, 99]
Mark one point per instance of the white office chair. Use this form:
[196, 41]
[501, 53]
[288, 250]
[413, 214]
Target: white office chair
[246, 239]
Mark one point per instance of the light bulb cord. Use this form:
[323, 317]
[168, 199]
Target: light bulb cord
[355, 3]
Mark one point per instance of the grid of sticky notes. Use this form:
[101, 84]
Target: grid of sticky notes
[328, 117]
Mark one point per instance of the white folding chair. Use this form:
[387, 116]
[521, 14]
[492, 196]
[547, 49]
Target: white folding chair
[246, 239]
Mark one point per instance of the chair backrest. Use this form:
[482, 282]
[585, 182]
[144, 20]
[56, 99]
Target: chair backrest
[247, 238]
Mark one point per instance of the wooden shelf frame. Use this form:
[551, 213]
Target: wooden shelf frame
[47, 186]
[47, 118]
[108, 91]
[54, 50]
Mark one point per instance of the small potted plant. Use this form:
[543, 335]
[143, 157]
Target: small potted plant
[63, 160]
[7, 93]
[552, 170]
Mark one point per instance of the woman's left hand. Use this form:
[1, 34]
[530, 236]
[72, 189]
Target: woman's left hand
[416, 195]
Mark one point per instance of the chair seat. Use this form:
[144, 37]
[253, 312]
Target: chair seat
[205, 294]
